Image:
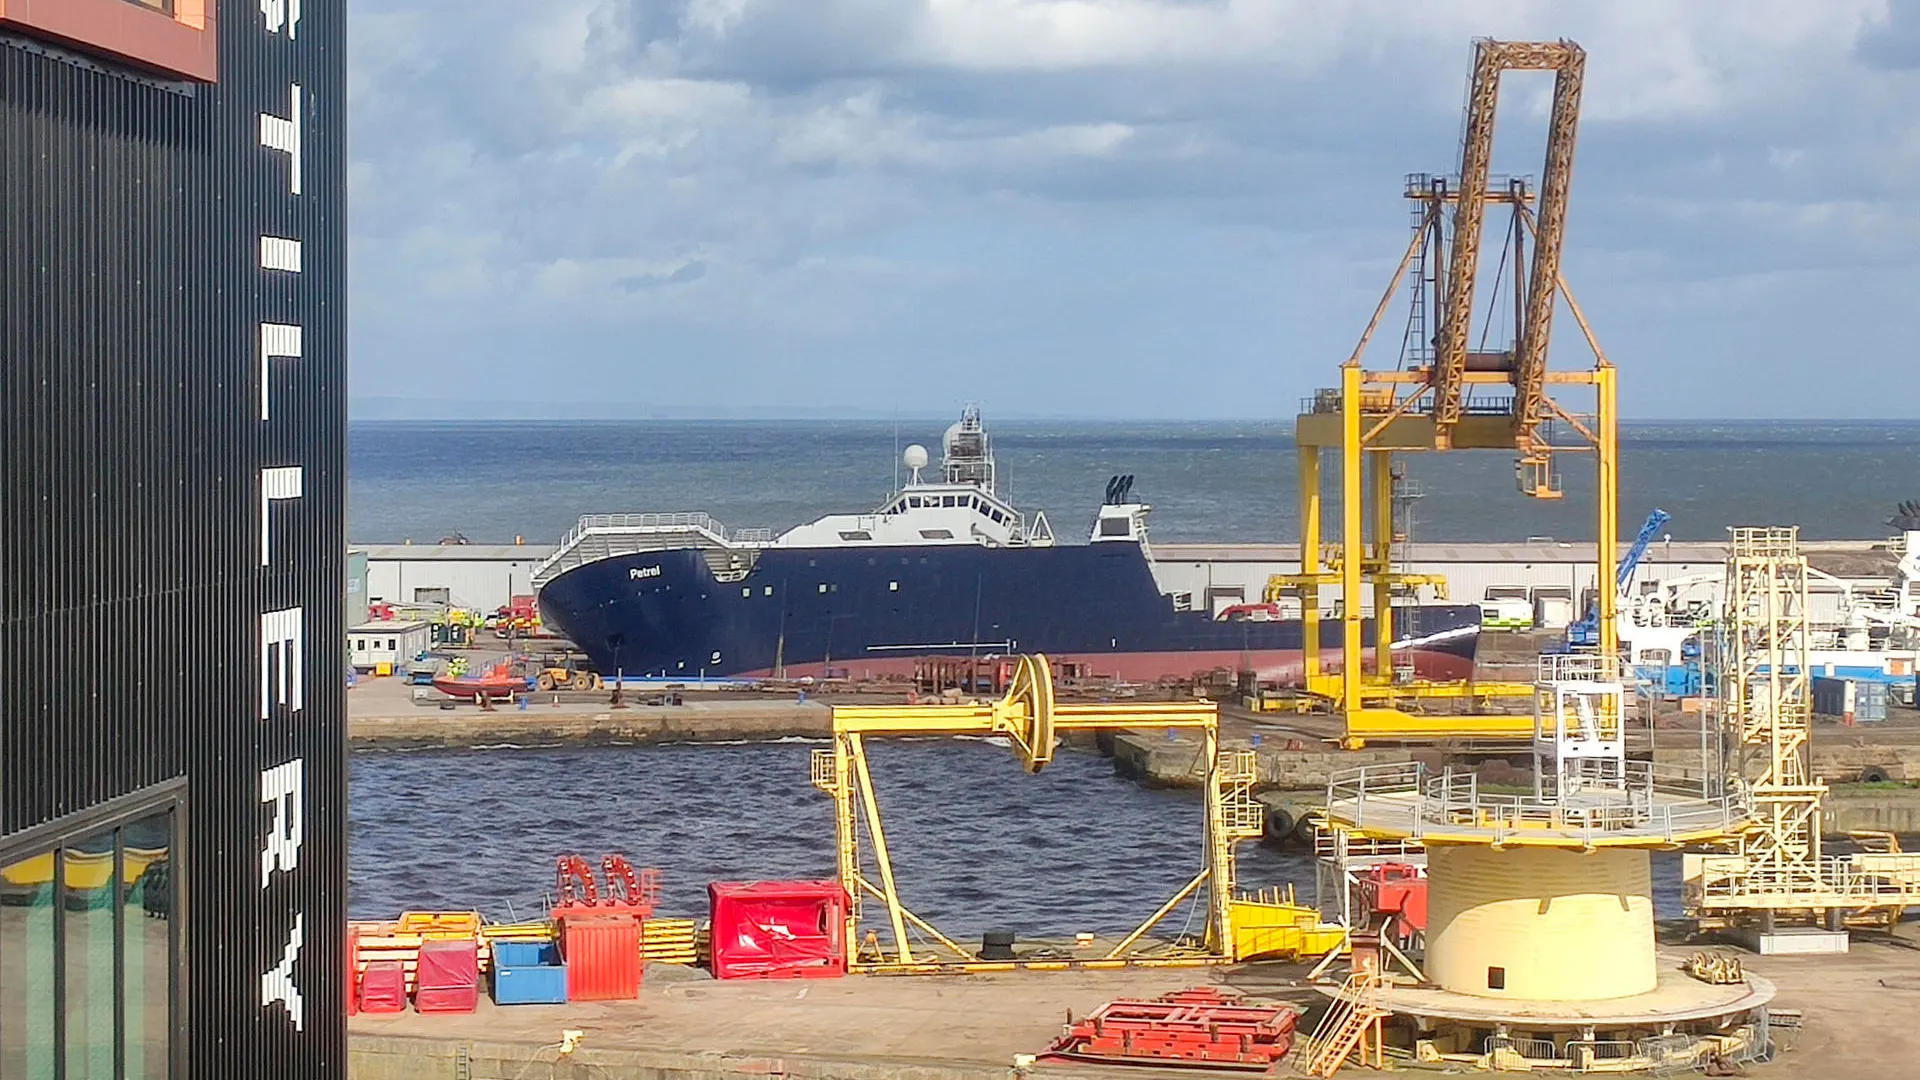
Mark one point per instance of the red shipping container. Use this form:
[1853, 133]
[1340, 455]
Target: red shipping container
[603, 957]
[778, 929]
[383, 987]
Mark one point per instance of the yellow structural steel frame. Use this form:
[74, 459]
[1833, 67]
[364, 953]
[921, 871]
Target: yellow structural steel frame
[1424, 408]
[1379, 416]
[1029, 718]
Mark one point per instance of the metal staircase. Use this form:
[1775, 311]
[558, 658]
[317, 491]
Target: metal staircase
[1342, 1033]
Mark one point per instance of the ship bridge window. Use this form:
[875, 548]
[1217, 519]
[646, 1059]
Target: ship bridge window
[946, 500]
[936, 534]
[1113, 526]
[855, 534]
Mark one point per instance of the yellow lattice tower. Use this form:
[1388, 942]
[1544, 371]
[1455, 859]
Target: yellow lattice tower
[1768, 708]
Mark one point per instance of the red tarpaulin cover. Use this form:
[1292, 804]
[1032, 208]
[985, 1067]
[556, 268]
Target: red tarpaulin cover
[383, 987]
[778, 929]
[449, 965]
[445, 999]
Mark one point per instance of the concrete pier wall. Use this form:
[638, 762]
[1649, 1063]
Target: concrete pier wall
[408, 1057]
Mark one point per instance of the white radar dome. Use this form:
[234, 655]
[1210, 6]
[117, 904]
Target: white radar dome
[916, 456]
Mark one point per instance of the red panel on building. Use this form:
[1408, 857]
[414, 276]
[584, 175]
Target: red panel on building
[176, 38]
[778, 929]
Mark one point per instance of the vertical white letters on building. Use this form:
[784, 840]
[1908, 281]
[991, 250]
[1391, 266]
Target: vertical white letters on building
[282, 639]
[278, 341]
[284, 788]
[283, 134]
[279, 253]
[281, 483]
[281, 13]
[277, 986]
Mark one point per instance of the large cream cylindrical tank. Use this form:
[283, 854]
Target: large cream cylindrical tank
[1540, 923]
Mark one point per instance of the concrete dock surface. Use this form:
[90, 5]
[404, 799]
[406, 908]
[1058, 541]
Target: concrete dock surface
[686, 1026]
[384, 714]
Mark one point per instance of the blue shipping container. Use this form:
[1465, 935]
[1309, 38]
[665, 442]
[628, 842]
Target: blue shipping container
[528, 973]
[1830, 698]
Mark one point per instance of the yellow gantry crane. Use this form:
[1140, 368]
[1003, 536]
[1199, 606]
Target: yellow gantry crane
[1445, 395]
[1030, 720]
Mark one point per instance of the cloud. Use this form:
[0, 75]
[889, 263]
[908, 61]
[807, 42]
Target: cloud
[1085, 202]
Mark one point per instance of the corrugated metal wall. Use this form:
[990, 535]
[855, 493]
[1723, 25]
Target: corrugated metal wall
[131, 450]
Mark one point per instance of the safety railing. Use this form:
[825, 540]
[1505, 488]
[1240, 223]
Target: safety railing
[1598, 1055]
[1578, 667]
[1327, 845]
[1536, 1051]
[1768, 541]
[1652, 803]
[1726, 881]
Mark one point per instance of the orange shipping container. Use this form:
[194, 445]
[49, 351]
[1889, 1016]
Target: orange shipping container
[603, 957]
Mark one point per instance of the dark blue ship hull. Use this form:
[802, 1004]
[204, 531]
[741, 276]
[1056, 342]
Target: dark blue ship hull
[873, 611]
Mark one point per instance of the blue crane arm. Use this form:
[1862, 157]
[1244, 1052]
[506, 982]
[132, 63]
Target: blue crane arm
[1623, 573]
[1587, 630]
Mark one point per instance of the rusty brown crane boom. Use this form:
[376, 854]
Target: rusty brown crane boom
[1529, 362]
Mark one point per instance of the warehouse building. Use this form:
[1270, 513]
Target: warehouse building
[172, 455]
[480, 577]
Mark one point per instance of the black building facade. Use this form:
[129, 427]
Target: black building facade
[172, 462]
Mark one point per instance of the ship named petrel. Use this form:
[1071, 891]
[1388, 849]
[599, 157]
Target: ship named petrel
[944, 567]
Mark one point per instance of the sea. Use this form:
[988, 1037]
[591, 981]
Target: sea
[495, 482]
[979, 844]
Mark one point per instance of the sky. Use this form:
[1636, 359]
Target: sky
[1098, 208]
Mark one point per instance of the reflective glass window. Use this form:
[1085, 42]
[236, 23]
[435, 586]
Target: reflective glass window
[87, 957]
[26, 967]
[88, 903]
[146, 916]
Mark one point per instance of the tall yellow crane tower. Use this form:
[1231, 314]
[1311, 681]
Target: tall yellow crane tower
[1447, 395]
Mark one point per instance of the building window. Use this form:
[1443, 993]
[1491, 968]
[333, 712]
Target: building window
[88, 951]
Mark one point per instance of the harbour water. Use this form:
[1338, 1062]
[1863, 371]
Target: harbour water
[977, 844]
[1225, 482]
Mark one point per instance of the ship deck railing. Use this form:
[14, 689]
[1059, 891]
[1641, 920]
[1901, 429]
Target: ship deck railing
[601, 536]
